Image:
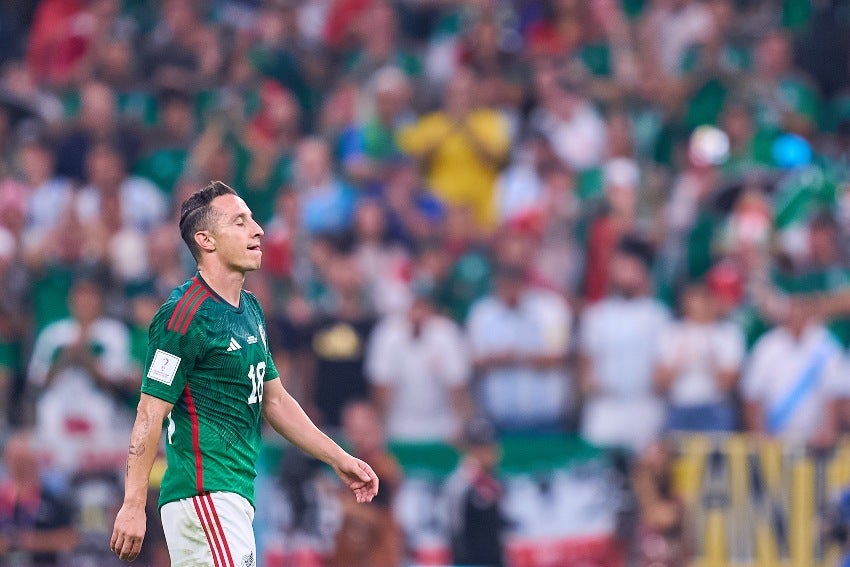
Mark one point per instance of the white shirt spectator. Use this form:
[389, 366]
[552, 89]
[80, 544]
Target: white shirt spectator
[794, 380]
[519, 397]
[109, 335]
[579, 142]
[143, 205]
[705, 349]
[677, 29]
[622, 340]
[519, 188]
[47, 202]
[421, 371]
[75, 419]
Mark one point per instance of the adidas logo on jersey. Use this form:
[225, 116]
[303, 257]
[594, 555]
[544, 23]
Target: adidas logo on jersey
[252, 339]
[233, 345]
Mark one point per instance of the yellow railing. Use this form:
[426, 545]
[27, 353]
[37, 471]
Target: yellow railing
[759, 503]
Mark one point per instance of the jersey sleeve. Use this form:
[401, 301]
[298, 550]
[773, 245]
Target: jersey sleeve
[171, 355]
[271, 369]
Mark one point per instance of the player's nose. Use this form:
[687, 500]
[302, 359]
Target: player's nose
[258, 230]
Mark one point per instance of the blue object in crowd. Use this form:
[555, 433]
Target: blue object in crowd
[790, 150]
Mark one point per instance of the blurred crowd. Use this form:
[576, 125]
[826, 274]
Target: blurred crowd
[621, 219]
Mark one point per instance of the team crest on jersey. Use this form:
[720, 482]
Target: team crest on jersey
[248, 560]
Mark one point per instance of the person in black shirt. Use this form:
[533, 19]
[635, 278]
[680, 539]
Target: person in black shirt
[473, 496]
[334, 339]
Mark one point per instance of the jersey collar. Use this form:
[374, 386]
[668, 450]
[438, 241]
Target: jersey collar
[219, 298]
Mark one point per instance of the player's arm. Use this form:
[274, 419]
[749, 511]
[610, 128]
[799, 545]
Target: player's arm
[836, 304]
[172, 350]
[129, 530]
[287, 418]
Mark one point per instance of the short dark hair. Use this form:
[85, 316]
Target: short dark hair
[637, 248]
[196, 213]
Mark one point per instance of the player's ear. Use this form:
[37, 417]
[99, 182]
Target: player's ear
[205, 240]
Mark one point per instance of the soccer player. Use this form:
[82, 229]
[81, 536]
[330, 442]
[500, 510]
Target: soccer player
[209, 375]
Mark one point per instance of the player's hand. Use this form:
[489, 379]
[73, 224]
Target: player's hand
[359, 477]
[129, 532]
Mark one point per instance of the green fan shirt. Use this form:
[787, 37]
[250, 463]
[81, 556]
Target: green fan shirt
[210, 359]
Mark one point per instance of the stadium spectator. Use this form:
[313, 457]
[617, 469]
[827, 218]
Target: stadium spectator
[362, 427]
[268, 144]
[80, 375]
[383, 264]
[794, 381]
[13, 324]
[368, 147]
[472, 496]
[36, 517]
[619, 349]
[462, 148]
[784, 98]
[619, 218]
[169, 51]
[376, 30]
[57, 41]
[699, 365]
[338, 339]
[559, 254]
[670, 28]
[367, 537]
[326, 202]
[689, 222]
[418, 367]
[165, 151]
[97, 121]
[496, 67]
[519, 337]
[49, 194]
[519, 188]
[459, 282]
[568, 120]
[112, 197]
[823, 269]
[85, 345]
[663, 538]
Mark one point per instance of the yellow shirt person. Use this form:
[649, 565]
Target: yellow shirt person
[461, 149]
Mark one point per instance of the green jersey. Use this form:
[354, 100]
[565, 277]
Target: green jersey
[210, 359]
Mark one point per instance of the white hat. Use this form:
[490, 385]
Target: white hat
[708, 146]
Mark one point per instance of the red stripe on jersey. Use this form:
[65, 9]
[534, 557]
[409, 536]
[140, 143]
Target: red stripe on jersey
[185, 326]
[220, 529]
[199, 293]
[208, 288]
[182, 305]
[196, 439]
[206, 525]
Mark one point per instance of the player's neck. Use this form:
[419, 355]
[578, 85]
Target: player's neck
[226, 283]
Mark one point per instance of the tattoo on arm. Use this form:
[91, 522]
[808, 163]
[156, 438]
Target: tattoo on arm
[139, 439]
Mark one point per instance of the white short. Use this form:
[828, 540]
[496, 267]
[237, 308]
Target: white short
[212, 530]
